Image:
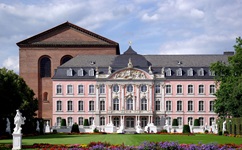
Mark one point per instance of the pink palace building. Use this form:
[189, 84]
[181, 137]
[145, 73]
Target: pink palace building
[132, 87]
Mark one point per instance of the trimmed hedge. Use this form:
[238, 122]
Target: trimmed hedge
[186, 129]
[75, 128]
[196, 122]
[174, 122]
[63, 122]
[86, 122]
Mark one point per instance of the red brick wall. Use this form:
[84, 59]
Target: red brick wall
[29, 67]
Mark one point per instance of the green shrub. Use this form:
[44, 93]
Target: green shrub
[220, 133]
[226, 132]
[86, 122]
[75, 128]
[206, 131]
[63, 122]
[174, 122]
[95, 130]
[54, 131]
[163, 131]
[196, 122]
[186, 129]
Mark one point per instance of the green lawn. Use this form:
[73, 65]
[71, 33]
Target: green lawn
[127, 139]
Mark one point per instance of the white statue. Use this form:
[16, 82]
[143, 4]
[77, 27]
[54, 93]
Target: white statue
[150, 70]
[8, 130]
[166, 123]
[18, 121]
[130, 65]
[224, 126]
[37, 126]
[109, 70]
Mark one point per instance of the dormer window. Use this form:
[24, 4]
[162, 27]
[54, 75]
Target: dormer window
[190, 72]
[168, 72]
[80, 72]
[179, 72]
[200, 72]
[69, 72]
[91, 72]
[211, 73]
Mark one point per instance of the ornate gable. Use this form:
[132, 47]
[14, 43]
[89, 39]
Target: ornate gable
[131, 74]
[67, 34]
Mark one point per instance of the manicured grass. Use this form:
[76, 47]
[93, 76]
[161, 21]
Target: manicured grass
[126, 139]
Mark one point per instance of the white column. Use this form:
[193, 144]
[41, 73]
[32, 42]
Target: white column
[122, 98]
[97, 97]
[138, 97]
[163, 97]
[150, 97]
[110, 98]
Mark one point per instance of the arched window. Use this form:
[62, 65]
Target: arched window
[45, 67]
[65, 58]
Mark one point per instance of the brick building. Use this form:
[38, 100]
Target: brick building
[41, 54]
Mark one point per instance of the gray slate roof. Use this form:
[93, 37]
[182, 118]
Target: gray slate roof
[157, 62]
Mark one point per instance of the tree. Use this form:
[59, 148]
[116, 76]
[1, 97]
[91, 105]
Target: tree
[15, 94]
[228, 78]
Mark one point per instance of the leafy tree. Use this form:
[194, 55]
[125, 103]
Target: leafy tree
[15, 94]
[228, 78]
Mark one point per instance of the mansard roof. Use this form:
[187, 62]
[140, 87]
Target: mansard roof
[157, 63]
[67, 35]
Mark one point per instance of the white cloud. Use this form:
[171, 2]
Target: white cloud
[147, 17]
[12, 63]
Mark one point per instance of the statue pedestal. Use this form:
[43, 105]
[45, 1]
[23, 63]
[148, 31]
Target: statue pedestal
[121, 129]
[17, 141]
[139, 129]
[151, 128]
[110, 128]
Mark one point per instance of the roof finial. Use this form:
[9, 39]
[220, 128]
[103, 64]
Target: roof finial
[130, 43]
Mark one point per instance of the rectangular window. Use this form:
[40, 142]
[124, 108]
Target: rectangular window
[157, 105]
[69, 121]
[168, 89]
[179, 89]
[179, 105]
[69, 89]
[168, 105]
[80, 121]
[102, 121]
[58, 106]
[179, 119]
[91, 119]
[157, 88]
[190, 89]
[91, 105]
[211, 120]
[58, 89]
[58, 121]
[201, 120]
[80, 106]
[80, 89]
[190, 105]
[212, 89]
[115, 104]
[102, 105]
[201, 89]
[69, 106]
[201, 106]
[102, 89]
[211, 106]
[91, 89]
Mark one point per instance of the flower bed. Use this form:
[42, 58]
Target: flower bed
[143, 146]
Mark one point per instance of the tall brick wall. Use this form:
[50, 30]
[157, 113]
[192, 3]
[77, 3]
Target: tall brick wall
[29, 69]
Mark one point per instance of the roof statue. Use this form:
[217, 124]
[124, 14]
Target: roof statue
[130, 65]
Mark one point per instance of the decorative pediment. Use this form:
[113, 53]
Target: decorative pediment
[130, 74]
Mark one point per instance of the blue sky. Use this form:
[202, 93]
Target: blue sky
[153, 26]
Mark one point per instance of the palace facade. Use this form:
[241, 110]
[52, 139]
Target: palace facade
[135, 88]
